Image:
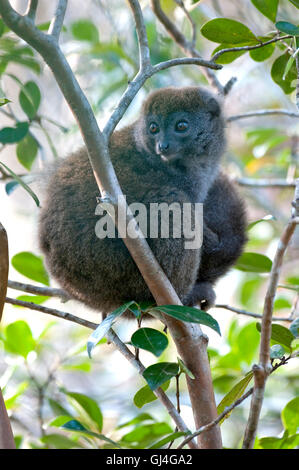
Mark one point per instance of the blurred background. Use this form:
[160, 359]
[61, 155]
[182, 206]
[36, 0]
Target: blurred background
[100, 44]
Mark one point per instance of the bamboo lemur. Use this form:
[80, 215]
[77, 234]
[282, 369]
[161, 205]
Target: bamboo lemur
[170, 154]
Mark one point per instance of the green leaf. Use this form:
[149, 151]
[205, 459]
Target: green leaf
[57, 408]
[171, 437]
[105, 326]
[227, 31]
[277, 351]
[267, 7]
[151, 340]
[157, 374]
[11, 135]
[35, 299]
[144, 434]
[31, 266]
[90, 406]
[29, 99]
[233, 395]
[254, 262]
[20, 181]
[145, 395]
[27, 150]
[277, 73]
[3, 101]
[58, 441]
[290, 416]
[85, 30]
[229, 56]
[19, 339]
[281, 303]
[270, 443]
[295, 2]
[60, 421]
[294, 327]
[266, 218]
[76, 426]
[11, 402]
[185, 369]
[287, 28]
[138, 419]
[189, 314]
[262, 53]
[280, 334]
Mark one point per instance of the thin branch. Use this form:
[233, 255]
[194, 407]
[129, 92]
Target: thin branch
[31, 10]
[250, 314]
[283, 361]
[144, 52]
[186, 61]
[265, 183]
[297, 82]
[51, 311]
[37, 290]
[184, 44]
[261, 371]
[263, 112]
[57, 21]
[181, 4]
[216, 421]
[4, 265]
[249, 48]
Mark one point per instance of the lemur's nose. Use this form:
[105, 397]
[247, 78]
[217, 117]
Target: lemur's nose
[163, 146]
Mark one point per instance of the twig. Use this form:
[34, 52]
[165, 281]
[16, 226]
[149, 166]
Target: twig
[4, 265]
[248, 48]
[265, 183]
[37, 290]
[216, 421]
[185, 45]
[52, 311]
[144, 52]
[229, 409]
[250, 314]
[31, 10]
[263, 112]
[261, 371]
[57, 21]
[297, 82]
[181, 4]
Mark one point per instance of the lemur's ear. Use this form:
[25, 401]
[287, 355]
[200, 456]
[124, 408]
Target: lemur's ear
[213, 106]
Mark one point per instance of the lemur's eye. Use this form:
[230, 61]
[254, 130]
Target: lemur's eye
[154, 128]
[181, 126]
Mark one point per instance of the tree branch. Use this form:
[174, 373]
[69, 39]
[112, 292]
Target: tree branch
[6, 435]
[263, 112]
[37, 290]
[265, 183]
[248, 48]
[261, 371]
[57, 21]
[144, 52]
[186, 46]
[31, 10]
[250, 314]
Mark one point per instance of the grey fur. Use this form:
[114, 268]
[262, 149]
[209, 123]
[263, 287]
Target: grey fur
[101, 273]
